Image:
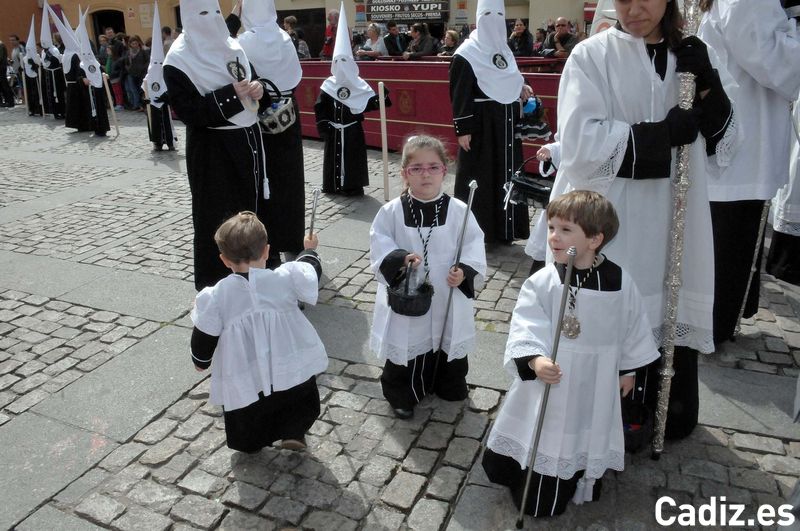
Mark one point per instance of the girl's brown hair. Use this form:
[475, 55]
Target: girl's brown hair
[420, 142]
[672, 24]
[241, 238]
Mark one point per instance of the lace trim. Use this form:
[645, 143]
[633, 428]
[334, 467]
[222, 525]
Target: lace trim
[609, 168]
[401, 355]
[726, 148]
[522, 349]
[787, 227]
[557, 466]
[690, 336]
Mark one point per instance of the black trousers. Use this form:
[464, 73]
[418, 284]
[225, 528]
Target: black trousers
[6, 94]
[684, 404]
[405, 386]
[547, 496]
[735, 225]
[281, 415]
[783, 260]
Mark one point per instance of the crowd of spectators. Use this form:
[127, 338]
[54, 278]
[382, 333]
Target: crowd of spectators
[557, 39]
[125, 58]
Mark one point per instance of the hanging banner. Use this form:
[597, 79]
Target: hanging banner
[408, 11]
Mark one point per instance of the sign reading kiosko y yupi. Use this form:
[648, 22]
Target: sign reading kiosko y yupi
[407, 11]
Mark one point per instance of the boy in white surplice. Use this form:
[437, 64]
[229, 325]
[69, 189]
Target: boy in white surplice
[263, 352]
[605, 335]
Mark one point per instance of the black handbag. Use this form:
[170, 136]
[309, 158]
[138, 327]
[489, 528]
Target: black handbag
[280, 115]
[524, 189]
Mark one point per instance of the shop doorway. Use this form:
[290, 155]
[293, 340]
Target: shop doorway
[108, 18]
[312, 23]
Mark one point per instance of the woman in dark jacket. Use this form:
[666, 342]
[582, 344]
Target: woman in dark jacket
[521, 40]
[136, 63]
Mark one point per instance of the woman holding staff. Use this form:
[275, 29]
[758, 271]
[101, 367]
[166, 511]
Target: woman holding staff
[620, 126]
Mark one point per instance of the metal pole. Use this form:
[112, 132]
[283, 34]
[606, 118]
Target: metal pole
[384, 141]
[110, 103]
[762, 225]
[314, 201]
[473, 185]
[571, 252]
[680, 187]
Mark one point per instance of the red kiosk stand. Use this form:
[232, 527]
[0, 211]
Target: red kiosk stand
[420, 96]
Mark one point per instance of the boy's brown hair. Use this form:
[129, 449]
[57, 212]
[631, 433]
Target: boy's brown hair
[241, 238]
[589, 210]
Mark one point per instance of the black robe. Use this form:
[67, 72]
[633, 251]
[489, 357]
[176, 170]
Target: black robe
[32, 92]
[54, 87]
[354, 162]
[493, 157]
[159, 125]
[224, 166]
[79, 102]
[284, 213]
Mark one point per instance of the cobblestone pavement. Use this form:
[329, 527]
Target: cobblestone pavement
[46, 344]
[363, 469]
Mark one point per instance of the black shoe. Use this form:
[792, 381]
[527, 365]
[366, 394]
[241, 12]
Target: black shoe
[403, 413]
[157, 147]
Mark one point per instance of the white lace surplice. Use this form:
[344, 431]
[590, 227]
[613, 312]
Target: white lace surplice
[399, 338]
[583, 425]
[265, 341]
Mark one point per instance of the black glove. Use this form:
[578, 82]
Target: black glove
[692, 56]
[682, 125]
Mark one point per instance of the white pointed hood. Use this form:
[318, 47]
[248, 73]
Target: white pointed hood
[605, 16]
[154, 80]
[46, 39]
[71, 45]
[269, 48]
[205, 52]
[31, 53]
[345, 85]
[89, 64]
[486, 49]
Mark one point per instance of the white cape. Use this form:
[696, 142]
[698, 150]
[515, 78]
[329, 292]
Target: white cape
[399, 338]
[583, 424]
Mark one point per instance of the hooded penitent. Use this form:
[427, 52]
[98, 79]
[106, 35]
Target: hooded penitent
[89, 62]
[46, 39]
[605, 16]
[30, 53]
[344, 84]
[154, 80]
[71, 44]
[268, 47]
[486, 49]
[207, 55]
